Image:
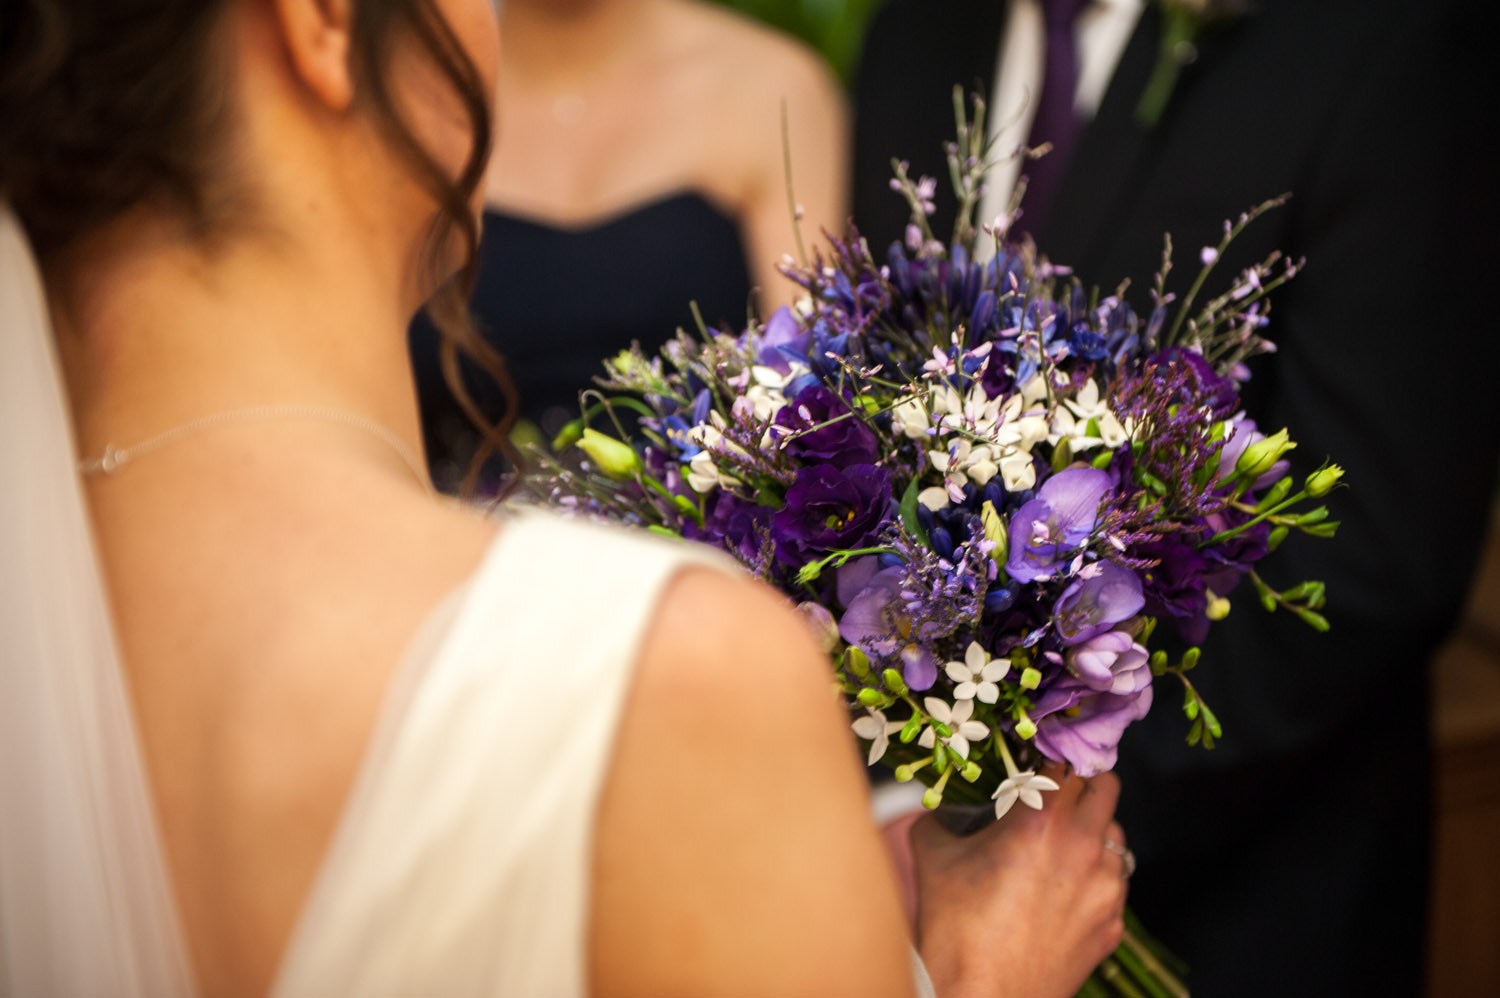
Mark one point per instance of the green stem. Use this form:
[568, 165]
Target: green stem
[1226, 534]
[1164, 977]
[1118, 979]
[1138, 972]
[791, 198]
[1093, 988]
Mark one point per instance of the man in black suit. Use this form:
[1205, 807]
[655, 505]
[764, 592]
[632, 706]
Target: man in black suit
[1293, 858]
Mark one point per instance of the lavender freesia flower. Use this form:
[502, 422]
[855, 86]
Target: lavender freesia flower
[831, 509]
[1111, 662]
[783, 342]
[1101, 595]
[841, 438]
[1056, 523]
[1081, 726]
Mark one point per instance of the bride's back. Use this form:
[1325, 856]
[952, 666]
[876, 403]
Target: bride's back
[233, 247]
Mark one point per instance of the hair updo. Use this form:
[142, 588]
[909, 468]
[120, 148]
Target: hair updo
[109, 104]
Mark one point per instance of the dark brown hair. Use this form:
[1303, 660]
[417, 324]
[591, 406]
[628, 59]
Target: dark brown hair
[107, 104]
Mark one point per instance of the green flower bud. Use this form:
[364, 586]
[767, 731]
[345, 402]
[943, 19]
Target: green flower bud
[1262, 455]
[905, 773]
[1218, 606]
[1102, 460]
[932, 798]
[617, 460]
[870, 698]
[971, 771]
[894, 682]
[1158, 662]
[1025, 726]
[940, 756]
[1275, 494]
[911, 730]
[1277, 536]
[856, 661]
[568, 435]
[994, 530]
[1190, 658]
[1321, 481]
[1031, 678]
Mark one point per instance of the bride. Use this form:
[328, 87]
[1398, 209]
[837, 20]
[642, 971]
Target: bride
[273, 717]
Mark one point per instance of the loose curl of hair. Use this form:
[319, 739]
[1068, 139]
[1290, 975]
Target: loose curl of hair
[109, 104]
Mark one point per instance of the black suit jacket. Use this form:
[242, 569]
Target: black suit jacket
[1294, 855]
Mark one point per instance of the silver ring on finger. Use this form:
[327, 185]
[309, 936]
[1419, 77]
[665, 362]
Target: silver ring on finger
[1127, 858]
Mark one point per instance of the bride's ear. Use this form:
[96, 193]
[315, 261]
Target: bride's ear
[316, 34]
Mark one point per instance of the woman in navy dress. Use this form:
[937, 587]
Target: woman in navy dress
[638, 167]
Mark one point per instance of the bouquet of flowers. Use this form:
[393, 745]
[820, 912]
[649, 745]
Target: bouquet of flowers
[985, 487]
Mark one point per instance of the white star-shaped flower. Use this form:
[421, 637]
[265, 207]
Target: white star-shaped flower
[977, 674]
[1026, 787]
[876, 730]
[958, 719]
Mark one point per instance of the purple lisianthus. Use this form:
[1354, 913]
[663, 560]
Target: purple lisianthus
[1175, 586]
[736, 524]
[1229, 560]
[874, 620]
[840, 439]
[1082, 727]
[831, 509]
[1056, 523]
[1111, 662]
[1241, 434]
[1102, 595]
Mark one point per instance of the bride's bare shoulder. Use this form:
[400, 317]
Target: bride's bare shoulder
[735, 798]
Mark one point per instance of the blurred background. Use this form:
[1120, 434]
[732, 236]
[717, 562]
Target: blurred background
[833, 27]
[1464, 933]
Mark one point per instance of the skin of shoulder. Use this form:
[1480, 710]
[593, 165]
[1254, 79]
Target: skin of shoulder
[734, 849]
[755, 69]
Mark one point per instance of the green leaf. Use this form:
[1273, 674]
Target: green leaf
[909, 510]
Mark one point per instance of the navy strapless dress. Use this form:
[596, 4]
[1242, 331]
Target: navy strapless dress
[557, 302]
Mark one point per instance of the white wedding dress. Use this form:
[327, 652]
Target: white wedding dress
[460, 865]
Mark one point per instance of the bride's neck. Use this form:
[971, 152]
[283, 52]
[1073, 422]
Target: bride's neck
[157, 329]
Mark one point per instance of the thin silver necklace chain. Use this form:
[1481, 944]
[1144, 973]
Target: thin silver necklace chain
[114, 458]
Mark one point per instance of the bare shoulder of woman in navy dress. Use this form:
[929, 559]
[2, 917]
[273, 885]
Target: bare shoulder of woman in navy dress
[611, 104]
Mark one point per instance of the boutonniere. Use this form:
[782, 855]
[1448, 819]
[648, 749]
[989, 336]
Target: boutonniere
[1183, 22]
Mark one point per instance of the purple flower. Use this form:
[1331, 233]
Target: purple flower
[831, 509]
[874, 620]
[1082, 727]
[783, 342]
[1174, 587]
[1057, 522]
[845, 440]
[1101, 596]
[1111, 662]
[735, 524]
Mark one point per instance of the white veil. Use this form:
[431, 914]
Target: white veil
[85, 907]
